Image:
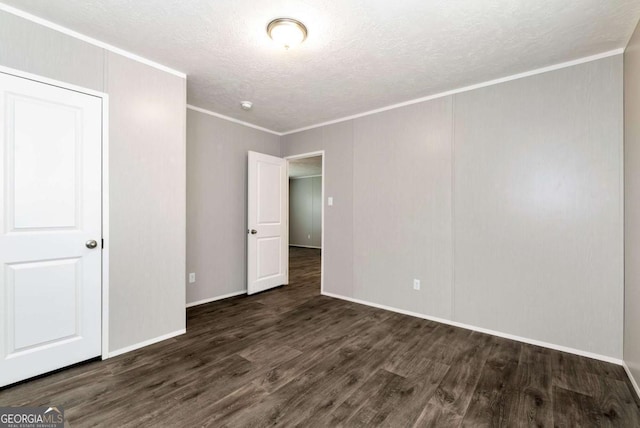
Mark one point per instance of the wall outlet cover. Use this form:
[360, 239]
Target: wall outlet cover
[192, 278]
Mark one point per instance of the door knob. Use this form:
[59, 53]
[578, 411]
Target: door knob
[253, 231]
[91, 244]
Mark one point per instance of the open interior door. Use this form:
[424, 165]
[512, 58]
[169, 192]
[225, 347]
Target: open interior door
[267, 228]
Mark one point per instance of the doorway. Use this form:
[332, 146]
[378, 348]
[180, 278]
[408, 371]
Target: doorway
[306, 220]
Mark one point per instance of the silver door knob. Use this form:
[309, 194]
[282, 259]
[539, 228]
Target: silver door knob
[253, 231]
[91, 244]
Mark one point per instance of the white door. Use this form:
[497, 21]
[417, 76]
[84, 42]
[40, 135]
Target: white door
[267, 231]
[50, 216]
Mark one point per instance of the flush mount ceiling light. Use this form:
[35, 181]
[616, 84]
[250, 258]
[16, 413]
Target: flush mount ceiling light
[287, 32]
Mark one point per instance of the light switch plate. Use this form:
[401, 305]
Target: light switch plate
[330, 201]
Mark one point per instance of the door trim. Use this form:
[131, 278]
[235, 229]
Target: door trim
[105, 186]
[323, 247]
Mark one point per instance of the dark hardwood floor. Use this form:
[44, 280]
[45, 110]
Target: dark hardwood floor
[291, 357]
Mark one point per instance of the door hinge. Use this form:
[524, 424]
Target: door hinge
[102, 243]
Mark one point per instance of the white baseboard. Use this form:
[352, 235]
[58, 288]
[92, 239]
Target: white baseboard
[482, 330]
[213, 299]
[631, 378]
[305, 246]
[146, 343]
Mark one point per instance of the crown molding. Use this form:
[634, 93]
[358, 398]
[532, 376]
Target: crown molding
[90, 40]
[465, 89]
[231, 119]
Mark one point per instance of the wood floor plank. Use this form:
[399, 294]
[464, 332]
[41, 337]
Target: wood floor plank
[417, 343]
[533, 383]
[282, 374]
[454, 393]
[220, 413]
[505, 349]
[375, 386]
[434, 416]
[572, 372]
[572, 409]
[412, 395]
[291, 357]
[331, 386]
[610, 406]
[320, 388]
[494, 396]
[614, 403]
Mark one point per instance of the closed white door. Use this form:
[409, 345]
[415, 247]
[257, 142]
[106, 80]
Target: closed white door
[267, 231]
[50, 227]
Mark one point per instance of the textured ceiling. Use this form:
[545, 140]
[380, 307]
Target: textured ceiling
[360, 54]
[305, 167]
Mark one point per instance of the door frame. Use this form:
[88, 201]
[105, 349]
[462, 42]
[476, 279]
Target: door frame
[105, 186]
[322, 246]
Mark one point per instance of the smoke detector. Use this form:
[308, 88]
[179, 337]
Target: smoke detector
[246, 105]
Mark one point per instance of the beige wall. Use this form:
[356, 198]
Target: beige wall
[513, 222]
[146, 171]
[632, 204]
[217, 202]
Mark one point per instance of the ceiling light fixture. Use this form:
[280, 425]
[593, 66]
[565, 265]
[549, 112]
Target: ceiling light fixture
[287, 32]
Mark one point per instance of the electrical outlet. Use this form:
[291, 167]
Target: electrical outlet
[416, 284]
[308, 236]
[192, 278]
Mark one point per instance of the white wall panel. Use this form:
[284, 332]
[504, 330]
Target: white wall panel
[305, 211]
[632, 204]
[402, 207]
[147, 109]
[538, 200]
[300, 211]
[30, 47]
